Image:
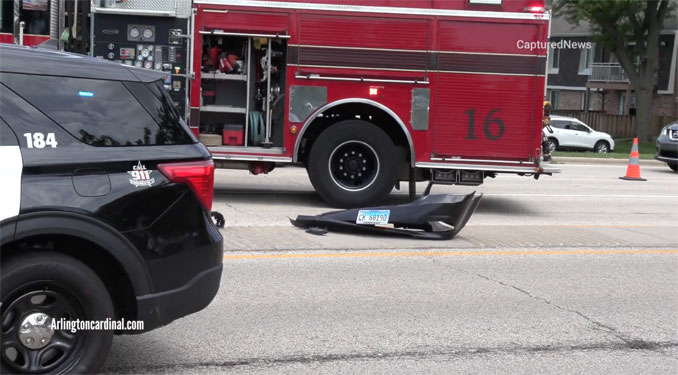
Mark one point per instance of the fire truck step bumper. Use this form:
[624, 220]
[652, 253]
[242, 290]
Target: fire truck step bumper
[431, 217]
[549, 170]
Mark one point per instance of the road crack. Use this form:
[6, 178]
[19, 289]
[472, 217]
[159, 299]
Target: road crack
[233, 208]
[630, 342]
[433, 353]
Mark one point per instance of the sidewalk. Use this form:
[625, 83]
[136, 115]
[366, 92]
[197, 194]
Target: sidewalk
[577, 160]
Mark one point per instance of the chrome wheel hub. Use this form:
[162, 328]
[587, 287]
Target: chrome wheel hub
[36, 331]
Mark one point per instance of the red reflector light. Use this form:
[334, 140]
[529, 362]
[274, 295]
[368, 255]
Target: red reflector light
[198, 175]
[536, 9]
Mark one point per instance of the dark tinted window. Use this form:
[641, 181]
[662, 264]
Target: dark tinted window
[579, 127]
[560, 124]
[159, 105]
[97, 112]
[24, 118]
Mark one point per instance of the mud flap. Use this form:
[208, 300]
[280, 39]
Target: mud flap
[431, 217]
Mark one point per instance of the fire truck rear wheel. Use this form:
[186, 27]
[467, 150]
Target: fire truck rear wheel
[351, 164]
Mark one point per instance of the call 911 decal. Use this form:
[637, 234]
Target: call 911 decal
[141, 176]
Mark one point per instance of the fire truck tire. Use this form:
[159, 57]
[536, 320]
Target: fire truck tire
[351, 164]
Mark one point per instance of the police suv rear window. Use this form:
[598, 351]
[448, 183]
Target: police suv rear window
[97, 112]
[160, 106]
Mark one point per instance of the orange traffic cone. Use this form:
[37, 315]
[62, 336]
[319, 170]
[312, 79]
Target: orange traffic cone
[633, 170]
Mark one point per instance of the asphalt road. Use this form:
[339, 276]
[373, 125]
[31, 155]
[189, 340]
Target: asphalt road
[575, 273]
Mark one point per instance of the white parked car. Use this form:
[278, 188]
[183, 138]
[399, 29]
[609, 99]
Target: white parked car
[570, 133]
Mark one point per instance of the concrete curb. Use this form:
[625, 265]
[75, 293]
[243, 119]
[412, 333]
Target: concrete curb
[578, 160]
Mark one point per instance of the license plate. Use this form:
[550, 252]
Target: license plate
[373, 217]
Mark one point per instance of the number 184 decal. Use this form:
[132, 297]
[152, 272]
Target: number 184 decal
[39, 140]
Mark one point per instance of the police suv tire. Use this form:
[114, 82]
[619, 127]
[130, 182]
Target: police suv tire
[39, 271]
[353, 138]
[673, 166]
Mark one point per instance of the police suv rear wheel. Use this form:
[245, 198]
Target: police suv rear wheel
[351, 164]
[40, 287]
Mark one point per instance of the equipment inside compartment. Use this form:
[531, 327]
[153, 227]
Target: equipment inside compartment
[242, 90]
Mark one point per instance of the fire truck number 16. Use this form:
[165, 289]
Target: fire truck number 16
[486, 125]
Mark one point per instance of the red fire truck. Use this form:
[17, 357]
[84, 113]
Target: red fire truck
[365, 94]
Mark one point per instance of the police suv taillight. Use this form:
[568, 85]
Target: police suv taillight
[198, 175]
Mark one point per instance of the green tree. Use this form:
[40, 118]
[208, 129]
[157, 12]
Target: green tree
[630, 29]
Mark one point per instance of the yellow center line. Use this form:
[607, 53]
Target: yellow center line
[582, 226]
[447, 253]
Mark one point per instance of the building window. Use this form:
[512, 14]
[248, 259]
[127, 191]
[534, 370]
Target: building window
[632, 106]
[586, 59]
[554, 98]
[554, 60]
[622, 103]
[594, 99]
[583, 101]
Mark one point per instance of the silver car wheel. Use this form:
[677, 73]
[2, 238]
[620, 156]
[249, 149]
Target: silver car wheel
[602, 148]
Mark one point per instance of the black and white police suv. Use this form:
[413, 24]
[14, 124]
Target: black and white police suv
[105, 199]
